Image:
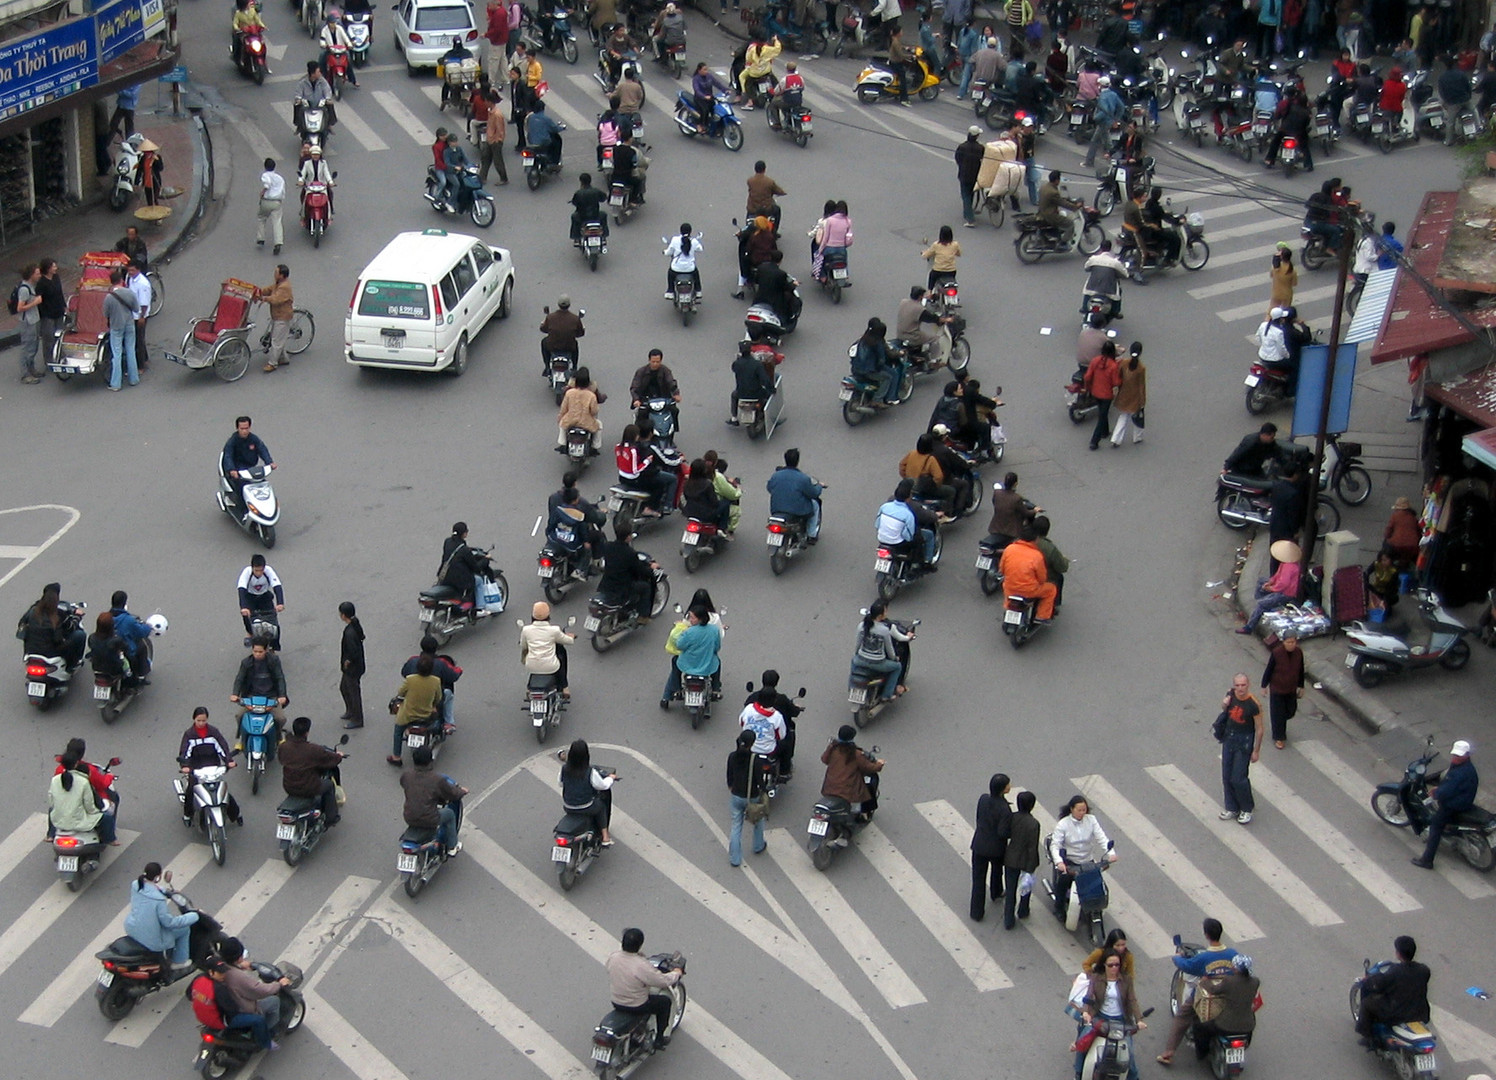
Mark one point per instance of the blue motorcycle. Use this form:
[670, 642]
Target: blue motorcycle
[260, 734]
[723, 123]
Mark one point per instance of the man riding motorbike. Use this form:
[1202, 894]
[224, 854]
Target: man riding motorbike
[669, 29]
[1025, 574]
[133, 632]
[1011, 512]
[306, 769]
[653, 381]
[628, 575]
[563, 326]
[630, 978]
[1396, 995]
[792, 493]
[752, 379]
[1052, 207]
[461, 565]
[916, 325]
[260, 595]
[901, 521]
[777, 289]
[1256, 452]
[314, 169]
[244, 451]
[260, 675]
[543, 135]
[1104, 274]
[335, 35]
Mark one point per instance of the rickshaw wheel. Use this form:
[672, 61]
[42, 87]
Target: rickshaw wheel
[231, 359]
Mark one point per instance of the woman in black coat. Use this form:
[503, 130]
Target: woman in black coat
[989, 844]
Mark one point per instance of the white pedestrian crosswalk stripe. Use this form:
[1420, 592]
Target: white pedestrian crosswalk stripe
[351, 122]
[1259, 308]
[1252, 851]
[420, 132]
[1112, 806]
[347, 1042]
[852, 933]
[1462, 1041]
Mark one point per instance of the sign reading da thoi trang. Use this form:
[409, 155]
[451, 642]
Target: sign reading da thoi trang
[49, 64]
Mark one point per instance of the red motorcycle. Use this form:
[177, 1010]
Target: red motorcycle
[315, 211]
[337, 69]
[253, 61]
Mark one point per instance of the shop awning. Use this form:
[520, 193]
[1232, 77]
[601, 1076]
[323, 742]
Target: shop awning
[1375, 297]
[1472, 395]
[1481, 446]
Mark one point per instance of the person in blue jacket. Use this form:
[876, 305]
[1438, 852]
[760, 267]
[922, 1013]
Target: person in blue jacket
[1454, 795]
[133, 632]
[152, 924]
[794, 494]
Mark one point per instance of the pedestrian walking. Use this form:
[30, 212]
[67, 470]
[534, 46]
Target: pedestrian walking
[495, 35]
[745, 790]
[282, 307]
[140, 285]
[28, 300]
[122, 122]
[54, 310]
[120, 310]
[351, 664]
[1283, 276]
[1269, 15]
[1454, 795]
[989, 845]
[1103, 376]
[1239, 748]
[491, 153]
[1017, 14]
[1021, 858]
[272, 192]
[1283, 679]
[1132, 395]
[968, 167]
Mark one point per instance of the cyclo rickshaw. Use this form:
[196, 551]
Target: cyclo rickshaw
[84, 348]
[221, 340]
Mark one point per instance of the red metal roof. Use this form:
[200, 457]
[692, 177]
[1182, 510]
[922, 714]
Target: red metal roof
[1472, 395]
[1413, 325]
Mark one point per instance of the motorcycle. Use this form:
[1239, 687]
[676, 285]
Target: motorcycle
[1119, 180]
[761, 323]
[685, 298]
[260, 736]
[674, 57]
[628, 504]
[1020, 623]
[1428, 111]
[49, 677]
[864, 691]
[876, 83]
[722, 124]
[1440, 639]
[798, 124]
[210, 796]
[859, 396]
[1407, 802]
[1037, 239]
[1267, 385]
[131, 971]
[252, 61]
[223, 1049]
[1411, 1048]
[622, 202]
[559, 569]
[430, 733]
[360, 28]
[1238, 140]
[833, 825]
[661, 413]
[312, 127]
[855, 35]
[1289, 156]
[315, 210]
[1326, 129]
[1391, 130]
[563, 365]
[947, 297]
[1110, 1055]
[536, 170]
[1081, 120]
[989, 554]
[950, 350]
[261, 512]
[543, 697]
[835, 274]
[700, 539]
[422, 853]
[563, 39]
[604, 74]
[622, 1041]
[1194, 252]
[1225, 1050]
[471, 199]
[77, 854]
[895, 569]
[609, 622]
[1242, 500]
[1079, 403]
[579, 450]
[114, 692]
[337, 70]
[1086, 899]
[787, 539]
[760, 418]
[1317, 252]
[443, 612]
[575, 840]
[300, 825]
[123, 189]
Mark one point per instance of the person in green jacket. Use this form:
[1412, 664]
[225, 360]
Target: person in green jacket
[419, 695]
[72, 805]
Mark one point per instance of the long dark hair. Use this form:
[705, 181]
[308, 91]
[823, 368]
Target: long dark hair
[876, 332]
[152, 872]
[45, 609]
[875, 611]
[70, 759]
[578, 758]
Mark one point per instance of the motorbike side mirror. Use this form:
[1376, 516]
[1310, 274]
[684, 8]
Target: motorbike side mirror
[334, 175]
[801, 694]
[113, 762]
[750, 686]
[678, 609]
[1147, 1012]
[546, 309]
[344, 740]
[581, 313]
[167, 877]
[571, 620]
[519, 623]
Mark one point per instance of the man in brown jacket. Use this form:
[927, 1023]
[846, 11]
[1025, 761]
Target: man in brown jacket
[761, 192]
[305, 767]
[282, 307]
[491, 153]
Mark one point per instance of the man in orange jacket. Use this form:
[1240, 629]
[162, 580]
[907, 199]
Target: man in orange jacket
[1024, 574]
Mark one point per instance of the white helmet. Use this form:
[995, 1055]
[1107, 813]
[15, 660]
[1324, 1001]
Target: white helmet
[157, 623]
[1104, 81]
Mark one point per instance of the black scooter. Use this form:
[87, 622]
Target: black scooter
[131, 971]
[300, 822]
[1406, 802]
[222, 1049]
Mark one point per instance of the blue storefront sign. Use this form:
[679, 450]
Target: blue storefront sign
[47, 65]
[121, 28]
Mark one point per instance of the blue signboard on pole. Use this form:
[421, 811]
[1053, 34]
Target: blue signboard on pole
[47, 65]
[1314, 362]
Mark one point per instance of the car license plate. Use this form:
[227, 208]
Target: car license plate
[817, 826]
[414, 741]
[592, 623]
[427, 614]
[36, 689]
[1350, 660]
[690, 538]
[984, 562]
[1012, 618]
[67, 864]
[106, 978]
[103, 693]
[776, 539]
[694, 699]
[846, 393]
[615, 504]
[600, 1053]
[882, 566]
[1422, 1062]
[561, 854]
[547, 571]
[285, 832]
[393, 341]
[1236, 1055]
[839, 272]
[406, 864]
[1251, 380]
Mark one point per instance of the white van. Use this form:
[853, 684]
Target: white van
[420, 302]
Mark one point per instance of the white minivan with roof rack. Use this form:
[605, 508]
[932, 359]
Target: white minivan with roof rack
[420, 302]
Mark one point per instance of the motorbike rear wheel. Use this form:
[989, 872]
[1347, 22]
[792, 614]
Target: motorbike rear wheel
[1326, 517]
[414, 883]
[1314, 256]
[852, 413]
[1029, 248]
[1456, 656]
[1090, 239]
[888, 586]
[1368, 673]
[1476, 850]
[1105, 201]
[554, 592]
[1259, 399]
[820, 857]
[1353, 486]
[1234, 501]
[116, 1004]
[292, 851]
[778, 560]
[693, 561]
[566, 876]
[991, 582]
[1388, 806]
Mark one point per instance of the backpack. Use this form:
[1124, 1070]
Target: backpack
[13, 304]
[205, 1003]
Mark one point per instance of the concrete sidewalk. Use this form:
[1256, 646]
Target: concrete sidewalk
[185, 151]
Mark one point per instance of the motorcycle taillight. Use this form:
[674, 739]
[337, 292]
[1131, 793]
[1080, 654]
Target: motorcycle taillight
[37, 671]
[602, 1038]
[883, 553]
[545, 560]
[563, 841]
[693, 526]
[1236, 1044]
[776, 527]
[1290, 144]
[65, 841]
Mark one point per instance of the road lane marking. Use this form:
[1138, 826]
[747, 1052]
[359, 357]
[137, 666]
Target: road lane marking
[1176, 867]
[511, 1022]
[234, 916]
[344, 1040]
[1252, 228]
[358, 128]
[21, 840]
[420, 132]
[1462, 1041]
[1063, 949]
[1250, 850]
[822, 103]
[346, 901]
[78, 974]
[852, 934]
[946, 926]
[259, 143]
[1256, 310]
[599, 943]
[27, 554]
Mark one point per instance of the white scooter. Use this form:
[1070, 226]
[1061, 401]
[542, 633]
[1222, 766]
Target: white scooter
[124, 172]
[261, 511]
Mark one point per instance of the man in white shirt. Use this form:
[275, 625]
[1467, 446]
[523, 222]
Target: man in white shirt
[140, 285]
[261, 597]
[272, 192]
[1272, 342]
[765, 721]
